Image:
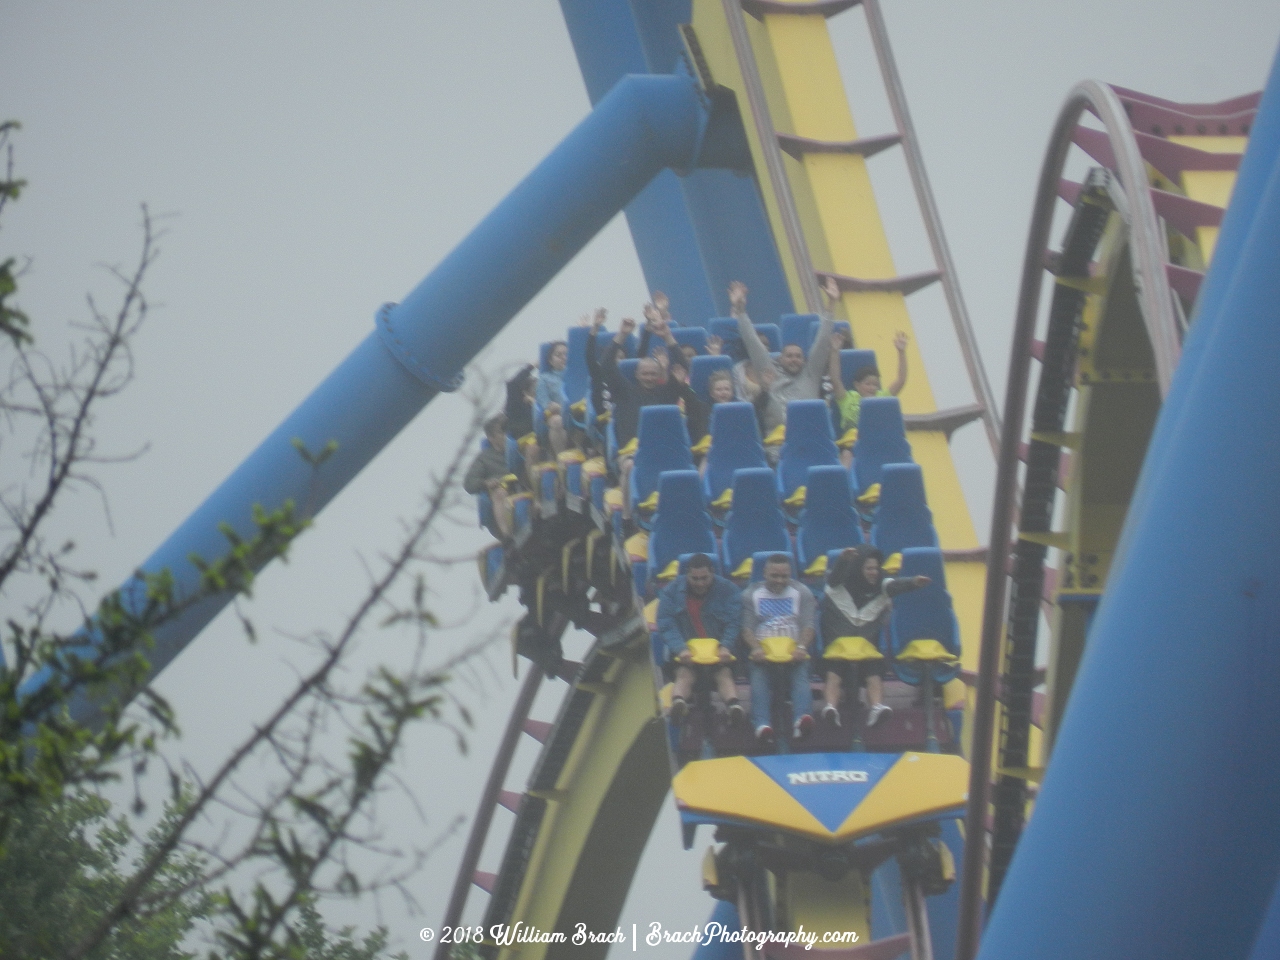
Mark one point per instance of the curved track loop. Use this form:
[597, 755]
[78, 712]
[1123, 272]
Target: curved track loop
[489, 801]
[603, 763]
[1114, 323]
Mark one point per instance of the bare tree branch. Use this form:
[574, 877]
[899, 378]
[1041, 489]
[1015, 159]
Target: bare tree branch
[392, 703]
[89, 378]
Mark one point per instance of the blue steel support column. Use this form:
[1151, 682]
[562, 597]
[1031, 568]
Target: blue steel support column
[724, 206]
[420, 347]
[693, 234]
[726, 915]
[1267, 946]
[1156, 832]
[607, 45]
[646, 123]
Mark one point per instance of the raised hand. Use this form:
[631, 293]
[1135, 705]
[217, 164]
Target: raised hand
[597, 321]
[651, 315]
[738, 295]
[900, 341]
[662, 302]
[831, 288]
[627, 327]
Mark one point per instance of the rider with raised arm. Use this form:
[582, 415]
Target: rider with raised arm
[866, 380]
[791, 376]
[651, 386]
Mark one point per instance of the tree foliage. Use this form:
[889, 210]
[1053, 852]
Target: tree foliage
[13, 322]
[239, 861]
[64, 863]
[69, 858]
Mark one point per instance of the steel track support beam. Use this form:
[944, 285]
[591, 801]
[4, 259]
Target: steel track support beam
[420, 346]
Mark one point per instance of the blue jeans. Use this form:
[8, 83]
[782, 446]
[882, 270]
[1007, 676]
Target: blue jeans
[762, 676]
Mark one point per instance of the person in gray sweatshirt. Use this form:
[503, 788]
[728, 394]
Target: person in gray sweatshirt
[791, 376]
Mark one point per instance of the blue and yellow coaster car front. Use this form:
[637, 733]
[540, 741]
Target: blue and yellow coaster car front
[829, 797]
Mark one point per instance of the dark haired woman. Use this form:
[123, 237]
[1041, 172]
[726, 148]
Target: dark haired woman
[855, 610]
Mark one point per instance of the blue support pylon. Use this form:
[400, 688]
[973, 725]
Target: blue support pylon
[723, 918]
[696, 233]
[644, 125]
[1156, 832]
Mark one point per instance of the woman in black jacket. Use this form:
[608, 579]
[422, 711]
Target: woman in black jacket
[856, 606]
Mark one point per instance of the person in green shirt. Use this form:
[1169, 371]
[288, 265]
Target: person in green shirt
[866, 383]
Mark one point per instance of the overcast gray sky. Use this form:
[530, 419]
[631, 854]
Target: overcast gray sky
[319, 159]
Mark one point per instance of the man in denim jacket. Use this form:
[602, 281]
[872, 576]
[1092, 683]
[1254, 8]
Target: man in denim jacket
[700, 604]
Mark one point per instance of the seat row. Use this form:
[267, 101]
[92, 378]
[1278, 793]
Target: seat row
[701, 369]
[756, 523]
[791, 328]
[924, 615]
[825, 502]
[686, 520]
[663, 444]
[795, 328]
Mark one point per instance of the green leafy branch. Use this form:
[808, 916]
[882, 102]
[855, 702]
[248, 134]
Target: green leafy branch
[13, 322]
[44, 749]
[302, 830]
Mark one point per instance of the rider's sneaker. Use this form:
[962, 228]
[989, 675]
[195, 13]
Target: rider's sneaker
[831, 715]
[876, 712]
[764, 733]
[803, 726]
[679, 709]
[736, 712]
